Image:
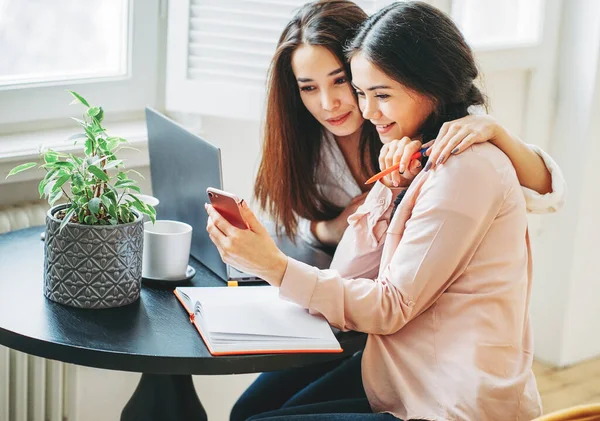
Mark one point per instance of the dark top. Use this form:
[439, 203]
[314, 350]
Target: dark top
[152, 335]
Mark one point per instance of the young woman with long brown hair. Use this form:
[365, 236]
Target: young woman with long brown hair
[318, 151]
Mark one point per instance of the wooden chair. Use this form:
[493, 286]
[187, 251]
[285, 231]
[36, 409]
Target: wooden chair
[590, 412]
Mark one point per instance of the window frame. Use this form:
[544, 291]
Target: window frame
[23, 104]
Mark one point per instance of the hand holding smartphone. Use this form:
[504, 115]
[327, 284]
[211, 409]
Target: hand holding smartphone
[227, 204]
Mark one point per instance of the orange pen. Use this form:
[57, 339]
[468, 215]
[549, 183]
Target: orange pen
[393, 168]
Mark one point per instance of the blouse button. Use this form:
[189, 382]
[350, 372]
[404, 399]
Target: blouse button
[381, 201]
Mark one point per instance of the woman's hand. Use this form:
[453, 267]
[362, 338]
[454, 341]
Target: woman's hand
[330, 232]
[251, 250]
[400, 151]
[456, 136]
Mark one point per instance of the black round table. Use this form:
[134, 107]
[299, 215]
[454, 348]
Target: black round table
[152, 336]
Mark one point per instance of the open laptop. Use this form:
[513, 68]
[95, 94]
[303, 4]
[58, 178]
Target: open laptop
[182, 166]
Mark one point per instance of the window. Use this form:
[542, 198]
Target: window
[106, 49]
[62, 40]
[499, 24]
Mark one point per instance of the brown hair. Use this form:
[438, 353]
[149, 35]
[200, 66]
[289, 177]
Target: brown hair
[420, 47]
[286, 183]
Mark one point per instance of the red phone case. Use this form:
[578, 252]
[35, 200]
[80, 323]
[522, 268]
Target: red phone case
[227, 205]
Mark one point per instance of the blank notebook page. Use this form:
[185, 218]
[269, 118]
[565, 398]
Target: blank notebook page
[255, 310]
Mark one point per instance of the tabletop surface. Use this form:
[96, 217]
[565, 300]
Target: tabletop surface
[152, 335]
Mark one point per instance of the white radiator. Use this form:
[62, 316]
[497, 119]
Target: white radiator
[32, 388]
[35, 389]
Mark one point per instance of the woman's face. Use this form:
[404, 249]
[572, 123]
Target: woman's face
[395, 110]
[325, 89]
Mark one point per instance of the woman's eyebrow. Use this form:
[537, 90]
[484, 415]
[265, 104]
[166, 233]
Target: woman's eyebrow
[372, 88]
[332, 73]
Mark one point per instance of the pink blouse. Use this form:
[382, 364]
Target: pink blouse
[442, 290]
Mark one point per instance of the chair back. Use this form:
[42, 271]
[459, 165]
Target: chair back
[590, 412]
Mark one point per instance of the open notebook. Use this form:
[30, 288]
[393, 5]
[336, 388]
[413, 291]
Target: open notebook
[254, 320]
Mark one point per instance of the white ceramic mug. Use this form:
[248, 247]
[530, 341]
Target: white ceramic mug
[166, 250]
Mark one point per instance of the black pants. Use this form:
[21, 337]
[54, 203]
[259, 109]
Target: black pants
[329, 391]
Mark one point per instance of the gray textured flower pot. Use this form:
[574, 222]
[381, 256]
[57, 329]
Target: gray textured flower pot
[92, 266]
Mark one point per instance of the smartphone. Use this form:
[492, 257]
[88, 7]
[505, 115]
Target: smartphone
[227, 205]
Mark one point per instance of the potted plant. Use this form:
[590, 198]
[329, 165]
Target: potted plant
[94, 241]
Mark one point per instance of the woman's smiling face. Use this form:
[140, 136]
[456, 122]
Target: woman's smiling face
[325, 89]
[394, 109]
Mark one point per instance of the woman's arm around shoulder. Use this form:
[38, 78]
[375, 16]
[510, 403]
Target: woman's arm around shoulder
[541, 179]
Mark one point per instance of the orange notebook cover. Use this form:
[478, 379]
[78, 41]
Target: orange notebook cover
[254, 320]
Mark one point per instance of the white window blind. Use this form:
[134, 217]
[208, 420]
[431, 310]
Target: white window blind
[219, 53]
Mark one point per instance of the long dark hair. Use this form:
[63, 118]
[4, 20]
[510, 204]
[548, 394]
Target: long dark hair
[286, 183]
[420, 47]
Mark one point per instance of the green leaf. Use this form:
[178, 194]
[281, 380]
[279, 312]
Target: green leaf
[98, 173]
[49, 187]
[122, 176]
[77, 181]
[151, 209]
[80, 98]
[107, 202]
[113, 164]
[59, 164]
[50, 157]
[81, 122]
[54, 196]
[50, 176]
[77, 160]
[94, 205]
[42, 186]
[129, 147]
[20, 168]
[125, 214]
[102, 144]
[99, 160]
[111, 143]
[60, 182]
[143, 208]
[88, 147]
[66, 219]
[111, 193]
[139, 206]
[121, 184]
[93, 111]
[90, 220]
[100, 116]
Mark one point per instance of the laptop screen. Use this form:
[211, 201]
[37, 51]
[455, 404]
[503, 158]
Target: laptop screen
[182, 166]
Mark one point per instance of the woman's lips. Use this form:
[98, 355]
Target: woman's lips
[339, 120]
[384, 128]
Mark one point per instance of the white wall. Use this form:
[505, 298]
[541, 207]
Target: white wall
[565, 313]
[102, 394]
